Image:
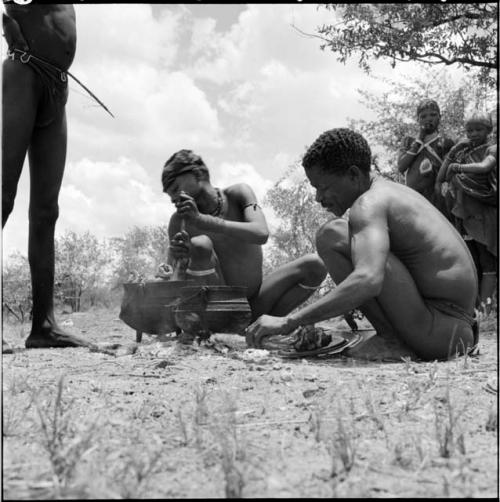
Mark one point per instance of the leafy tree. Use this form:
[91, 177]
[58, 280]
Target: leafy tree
[16, 287]
[395, 110]
[82, 266]
[293, 201]
[140, 251]
[463, 34]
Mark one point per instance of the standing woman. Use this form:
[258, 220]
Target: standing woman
[420, 157]
[469, 176]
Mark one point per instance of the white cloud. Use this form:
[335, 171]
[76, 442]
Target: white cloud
[108, 198]
[248, 97]
[230, 173]
[158, 109]
[125, 33]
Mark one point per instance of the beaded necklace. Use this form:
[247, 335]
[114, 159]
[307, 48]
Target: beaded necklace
[220, 203]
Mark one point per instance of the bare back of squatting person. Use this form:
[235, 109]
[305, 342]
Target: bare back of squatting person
[42, 43]
[397, 258]
[221, 242]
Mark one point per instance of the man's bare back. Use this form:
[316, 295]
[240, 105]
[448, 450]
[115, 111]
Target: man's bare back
[419, 234]
[48, 30]
[396, 258]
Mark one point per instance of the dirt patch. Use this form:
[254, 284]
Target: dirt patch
[162, 420]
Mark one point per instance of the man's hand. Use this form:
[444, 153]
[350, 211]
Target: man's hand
[186, 207]
[180, 245]
[267, 325]
[416, 145]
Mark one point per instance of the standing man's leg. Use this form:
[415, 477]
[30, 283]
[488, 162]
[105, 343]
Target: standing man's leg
[47, 156]
[19, 106]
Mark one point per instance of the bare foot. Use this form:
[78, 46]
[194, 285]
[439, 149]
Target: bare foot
[54, 337]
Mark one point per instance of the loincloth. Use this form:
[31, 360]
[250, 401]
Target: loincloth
[451, 310]
[54, 83]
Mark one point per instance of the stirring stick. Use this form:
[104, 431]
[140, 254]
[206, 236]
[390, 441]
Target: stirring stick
[177, 266]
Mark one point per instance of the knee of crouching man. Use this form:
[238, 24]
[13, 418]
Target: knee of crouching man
[315, 269]
[201, 247]
[332, 236]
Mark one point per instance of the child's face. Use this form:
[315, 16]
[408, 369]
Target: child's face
[476, 133]
[187, 183]
[428, 120]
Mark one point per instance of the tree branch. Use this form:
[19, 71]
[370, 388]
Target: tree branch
[467, 15]
[463, 60]
[308, 35]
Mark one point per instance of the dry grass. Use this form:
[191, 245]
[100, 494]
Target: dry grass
[449, 430]
[62, 438]
[137, 465]
[183, 422]
[342, 447]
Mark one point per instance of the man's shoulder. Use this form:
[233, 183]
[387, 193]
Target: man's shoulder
[375, 200]
[238, 190]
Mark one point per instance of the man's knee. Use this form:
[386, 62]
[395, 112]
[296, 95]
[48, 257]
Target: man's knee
[313, 269]
[202, 248]
[44, 216]
[333, 236]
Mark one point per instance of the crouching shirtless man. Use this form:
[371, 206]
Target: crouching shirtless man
[219, 233]
[397, 258]
[42, 41]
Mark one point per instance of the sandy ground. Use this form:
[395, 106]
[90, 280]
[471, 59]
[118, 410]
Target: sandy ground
[163, 420]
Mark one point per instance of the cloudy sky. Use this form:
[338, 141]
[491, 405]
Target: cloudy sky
[235, 83]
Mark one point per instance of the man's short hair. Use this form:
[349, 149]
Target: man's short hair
[479, 117]
[181, 162]
[338, 149]
[428, 104]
